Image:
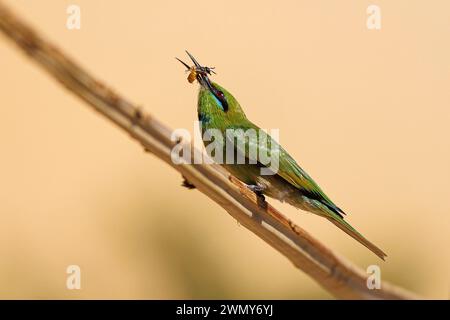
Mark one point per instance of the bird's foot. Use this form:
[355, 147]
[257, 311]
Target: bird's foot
[258, 190]
[187, 184]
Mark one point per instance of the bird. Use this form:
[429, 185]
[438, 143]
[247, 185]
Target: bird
[219, 110]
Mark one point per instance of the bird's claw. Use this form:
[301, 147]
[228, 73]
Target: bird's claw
[258, 190]
[187, 184]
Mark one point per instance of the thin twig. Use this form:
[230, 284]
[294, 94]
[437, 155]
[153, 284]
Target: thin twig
[333, 273]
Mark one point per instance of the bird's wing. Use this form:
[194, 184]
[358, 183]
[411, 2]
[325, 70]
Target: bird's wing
[288, 168]
[292, 173]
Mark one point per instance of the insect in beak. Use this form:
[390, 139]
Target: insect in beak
[207, 70]
[200, 73]
[197, 71]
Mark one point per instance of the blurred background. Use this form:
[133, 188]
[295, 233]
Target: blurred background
[365, 112]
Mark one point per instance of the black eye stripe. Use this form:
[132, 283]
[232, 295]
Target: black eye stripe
[221, 97]
[223, 100]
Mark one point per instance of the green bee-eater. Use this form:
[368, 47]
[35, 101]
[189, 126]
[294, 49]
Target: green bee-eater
[218, 109]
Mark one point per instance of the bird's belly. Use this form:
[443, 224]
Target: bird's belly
[274, 186]
[247, 173]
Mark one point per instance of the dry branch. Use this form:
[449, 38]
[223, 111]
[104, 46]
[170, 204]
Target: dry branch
[333, 273]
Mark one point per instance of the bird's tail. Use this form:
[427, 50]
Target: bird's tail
[347, 228]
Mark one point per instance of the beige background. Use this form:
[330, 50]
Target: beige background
[366, 113]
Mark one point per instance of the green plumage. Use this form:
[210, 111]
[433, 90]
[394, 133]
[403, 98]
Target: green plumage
[290, 184]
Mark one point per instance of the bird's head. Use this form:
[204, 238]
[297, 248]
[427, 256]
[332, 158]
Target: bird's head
[210, 92]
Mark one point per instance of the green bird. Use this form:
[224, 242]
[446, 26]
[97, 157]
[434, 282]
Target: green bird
[219, 110]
